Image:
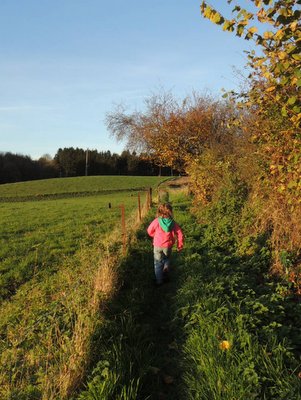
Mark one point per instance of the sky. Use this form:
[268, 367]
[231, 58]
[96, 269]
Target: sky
[65, 64]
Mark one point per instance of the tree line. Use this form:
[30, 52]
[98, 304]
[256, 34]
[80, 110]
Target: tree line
[70, 162]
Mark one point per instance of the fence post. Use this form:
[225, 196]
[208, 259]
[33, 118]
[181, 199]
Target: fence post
[139, 207]
[123, 228]
[150, 197]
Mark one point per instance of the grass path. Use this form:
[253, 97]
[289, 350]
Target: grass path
[164, 343]
[141, 338]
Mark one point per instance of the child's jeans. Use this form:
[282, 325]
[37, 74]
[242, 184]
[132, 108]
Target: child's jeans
[161, 262]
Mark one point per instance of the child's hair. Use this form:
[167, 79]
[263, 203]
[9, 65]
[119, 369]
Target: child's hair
[165, 210]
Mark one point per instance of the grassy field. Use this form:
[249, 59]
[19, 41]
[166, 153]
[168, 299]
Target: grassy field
[75, 186]
[50, 252]
[36, 235]
[221, 329]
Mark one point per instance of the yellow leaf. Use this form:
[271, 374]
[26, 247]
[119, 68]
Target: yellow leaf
[294, 26]
[252, 30]
[282, 55]
[260, 62]
[279, 34]
[267, 75]
[270, 89]
[268, 35]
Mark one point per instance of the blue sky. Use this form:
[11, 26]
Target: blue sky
[66, 63]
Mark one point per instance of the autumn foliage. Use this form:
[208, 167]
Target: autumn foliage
[251, 138]
[272, 112]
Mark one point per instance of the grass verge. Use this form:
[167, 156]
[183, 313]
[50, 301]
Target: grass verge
[222, 329]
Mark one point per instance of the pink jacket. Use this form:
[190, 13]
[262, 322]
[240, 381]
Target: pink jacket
[165, 239]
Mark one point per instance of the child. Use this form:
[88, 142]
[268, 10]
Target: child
[164, 231]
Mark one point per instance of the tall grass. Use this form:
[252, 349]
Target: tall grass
[241, 325]
[123, 364]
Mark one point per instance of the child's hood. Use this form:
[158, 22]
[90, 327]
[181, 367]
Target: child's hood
[166, 224]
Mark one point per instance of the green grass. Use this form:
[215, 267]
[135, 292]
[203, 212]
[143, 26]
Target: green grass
[216, 294]
[35, 236]
[76, 186]
[155, 343]
[50, 253]
[137, 349]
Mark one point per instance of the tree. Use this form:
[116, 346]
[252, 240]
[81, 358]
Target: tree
[277, 68]
[271, 114]
[171, 133]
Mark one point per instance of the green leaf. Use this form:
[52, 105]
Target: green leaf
[286, 64]
[284, 111]
[240, 30]
[292, 184]
[292, 100]
[284, 81]
[296, 57]
[297, 72]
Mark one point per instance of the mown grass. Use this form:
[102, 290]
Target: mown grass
[73, 186]
[35, 236]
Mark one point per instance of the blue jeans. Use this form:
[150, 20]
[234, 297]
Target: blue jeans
[161, 262]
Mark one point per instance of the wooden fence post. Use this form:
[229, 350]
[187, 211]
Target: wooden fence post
[123, 227]
[149, 198]
[139, 207]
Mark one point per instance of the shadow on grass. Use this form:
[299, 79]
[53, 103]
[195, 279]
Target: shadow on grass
[137, 348]
[163, 343]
